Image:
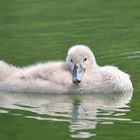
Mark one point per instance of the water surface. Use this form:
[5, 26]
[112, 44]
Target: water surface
[78, 115]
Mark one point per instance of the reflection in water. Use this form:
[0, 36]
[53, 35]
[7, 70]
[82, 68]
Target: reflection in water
[83, 112]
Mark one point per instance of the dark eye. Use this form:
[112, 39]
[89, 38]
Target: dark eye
[71, 61]
[85, 59]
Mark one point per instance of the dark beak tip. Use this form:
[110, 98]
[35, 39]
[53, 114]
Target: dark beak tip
[77, 82]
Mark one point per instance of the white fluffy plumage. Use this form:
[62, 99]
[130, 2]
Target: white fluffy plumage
[79, 74]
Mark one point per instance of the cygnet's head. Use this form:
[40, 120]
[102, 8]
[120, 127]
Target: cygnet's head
[81, 61]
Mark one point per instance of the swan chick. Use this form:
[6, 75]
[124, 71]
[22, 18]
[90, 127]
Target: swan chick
[80, 73]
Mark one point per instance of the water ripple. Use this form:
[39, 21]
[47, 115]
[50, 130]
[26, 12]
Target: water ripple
[132, 54]
[83, 113]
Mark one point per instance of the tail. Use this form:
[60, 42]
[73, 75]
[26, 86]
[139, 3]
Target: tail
[6, 70]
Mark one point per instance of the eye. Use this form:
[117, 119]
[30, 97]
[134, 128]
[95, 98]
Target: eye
[85, 59]
[71, 61]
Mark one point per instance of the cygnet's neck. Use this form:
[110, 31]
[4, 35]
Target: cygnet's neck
[94, 65]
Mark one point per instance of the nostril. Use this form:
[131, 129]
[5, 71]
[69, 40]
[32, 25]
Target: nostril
[78, 81]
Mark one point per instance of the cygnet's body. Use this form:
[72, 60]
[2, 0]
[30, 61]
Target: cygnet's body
[79, 74]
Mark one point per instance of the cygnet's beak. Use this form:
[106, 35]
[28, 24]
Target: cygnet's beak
[78, 73]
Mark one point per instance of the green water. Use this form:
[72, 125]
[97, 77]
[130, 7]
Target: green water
[38, 30]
